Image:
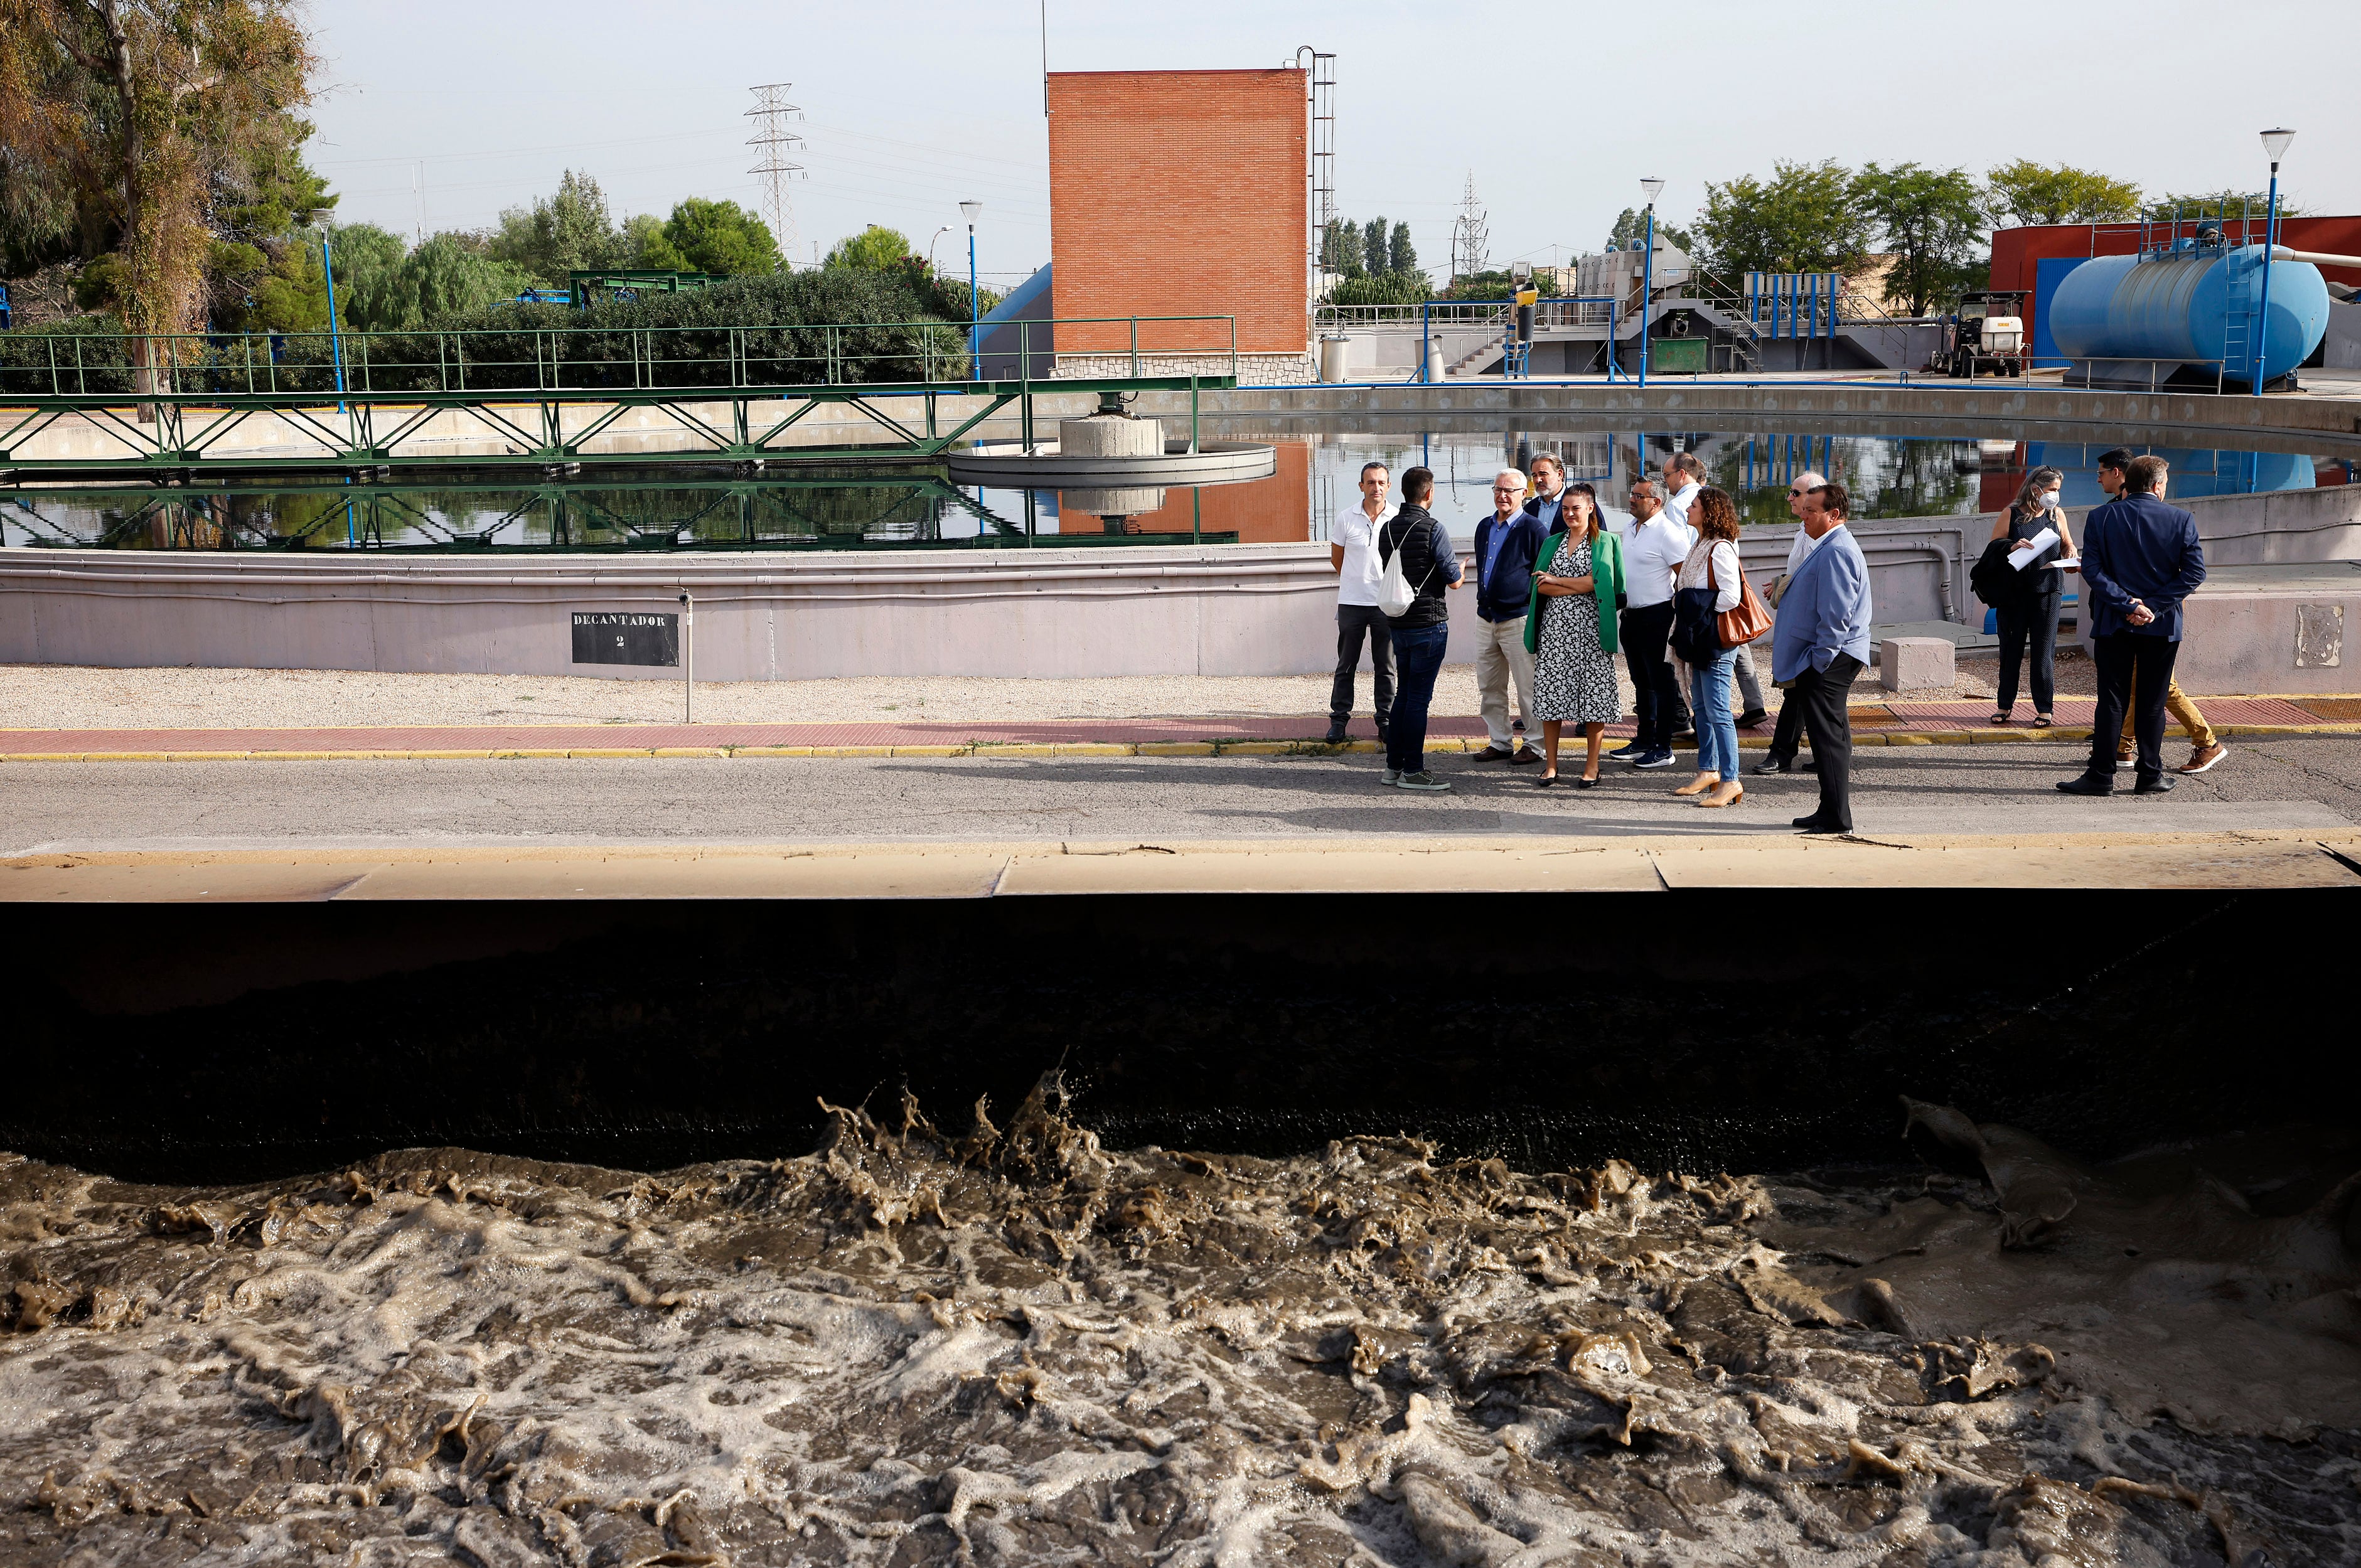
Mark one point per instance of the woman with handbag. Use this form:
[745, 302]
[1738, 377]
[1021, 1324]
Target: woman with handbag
[1715, 612]
[2030, 615]
[1570, 631]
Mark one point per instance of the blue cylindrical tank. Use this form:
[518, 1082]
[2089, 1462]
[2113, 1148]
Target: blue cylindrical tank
[2180, 306]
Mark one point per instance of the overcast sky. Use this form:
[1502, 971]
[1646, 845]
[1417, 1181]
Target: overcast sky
[911, 106]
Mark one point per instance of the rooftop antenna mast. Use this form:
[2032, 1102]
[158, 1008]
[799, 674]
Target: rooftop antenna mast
[772, 114]
[1320, 92]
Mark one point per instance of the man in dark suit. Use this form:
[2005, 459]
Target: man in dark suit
[2140, 559]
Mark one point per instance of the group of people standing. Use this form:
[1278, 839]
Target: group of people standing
[1559, 594]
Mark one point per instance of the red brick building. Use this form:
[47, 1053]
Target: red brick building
[1180, 192]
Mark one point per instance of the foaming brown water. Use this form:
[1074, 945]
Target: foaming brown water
[1015, 1346]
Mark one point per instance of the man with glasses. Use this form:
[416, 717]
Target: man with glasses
[1789, 734]
[1653, 549]
[1508, 543]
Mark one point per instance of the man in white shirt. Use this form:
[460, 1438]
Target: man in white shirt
[1654, 548]
[1788, 737]
[1683, 477]
[1352, 542]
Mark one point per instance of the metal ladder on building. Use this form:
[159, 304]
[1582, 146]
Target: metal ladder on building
[2238, 340]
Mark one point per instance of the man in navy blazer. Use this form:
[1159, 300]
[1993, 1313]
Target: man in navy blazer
[2140, 559]
[1820, 645]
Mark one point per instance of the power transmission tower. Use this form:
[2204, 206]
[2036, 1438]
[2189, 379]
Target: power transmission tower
[1468, 236]
[771, 136]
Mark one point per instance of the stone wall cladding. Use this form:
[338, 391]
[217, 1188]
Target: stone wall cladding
[1179, 193]
[1254, 369]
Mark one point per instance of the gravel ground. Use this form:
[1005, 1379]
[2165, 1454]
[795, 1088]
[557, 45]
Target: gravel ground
[49, 696]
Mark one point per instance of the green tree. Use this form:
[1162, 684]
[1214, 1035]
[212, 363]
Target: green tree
[1340, 248]
[132, 124]
[720, 238]
[1630, 232]
[1401, 257]
[875, 248]
[562, 233]
[2029, 193]
[1383, 288]
[1373, 245]
[1806, 218]
[447, 276]
[1932, 221]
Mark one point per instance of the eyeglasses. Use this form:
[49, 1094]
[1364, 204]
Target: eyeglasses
[1508, 489]
[1795, 492]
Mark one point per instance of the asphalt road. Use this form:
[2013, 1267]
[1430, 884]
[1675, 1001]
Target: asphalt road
[2299, 782]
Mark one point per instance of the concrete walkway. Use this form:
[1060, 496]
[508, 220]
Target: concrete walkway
[1893, 723]
[2276, 813]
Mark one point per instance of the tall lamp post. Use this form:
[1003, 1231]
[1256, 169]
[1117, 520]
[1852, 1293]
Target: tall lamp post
[937, 240]
[2275, 144]
[1652, 188]
[328, 268]
[970, 211]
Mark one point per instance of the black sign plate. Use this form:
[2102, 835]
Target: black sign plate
[626, 637]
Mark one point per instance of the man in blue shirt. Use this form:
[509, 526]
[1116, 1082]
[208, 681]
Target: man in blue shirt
[2140, 559]
[1820, 645]
[1508, 543]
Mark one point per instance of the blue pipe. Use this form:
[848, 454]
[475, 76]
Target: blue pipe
[335, 343]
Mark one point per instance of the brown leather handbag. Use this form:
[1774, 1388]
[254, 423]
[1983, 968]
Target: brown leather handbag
[1745, 621]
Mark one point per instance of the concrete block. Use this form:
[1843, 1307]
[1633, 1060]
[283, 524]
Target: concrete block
[1915, 664]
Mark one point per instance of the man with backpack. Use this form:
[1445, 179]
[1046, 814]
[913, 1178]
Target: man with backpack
[1418, 563]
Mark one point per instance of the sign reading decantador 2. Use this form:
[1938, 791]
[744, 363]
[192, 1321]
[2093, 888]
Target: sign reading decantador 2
[626, 637]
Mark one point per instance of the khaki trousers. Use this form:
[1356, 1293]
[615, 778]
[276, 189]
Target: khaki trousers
[2184, 713]
[1500, 658]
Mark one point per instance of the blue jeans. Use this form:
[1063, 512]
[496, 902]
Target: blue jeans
[1417, 659]
[1717, 731]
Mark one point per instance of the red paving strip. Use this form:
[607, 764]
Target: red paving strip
[1927, 717]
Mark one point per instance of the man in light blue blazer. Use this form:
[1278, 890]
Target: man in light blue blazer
[1820, 645]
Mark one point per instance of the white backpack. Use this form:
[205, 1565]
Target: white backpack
[1395, 595]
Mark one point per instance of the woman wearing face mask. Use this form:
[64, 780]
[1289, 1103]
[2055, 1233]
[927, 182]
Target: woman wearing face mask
[2033, 617]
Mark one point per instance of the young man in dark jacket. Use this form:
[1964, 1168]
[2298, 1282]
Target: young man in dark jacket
[1430, 566]
[1508, 543]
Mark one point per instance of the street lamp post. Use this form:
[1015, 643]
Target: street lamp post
[970, 211]
[2275, 145]
[934, 242]
[335, 342]
[1653, 187]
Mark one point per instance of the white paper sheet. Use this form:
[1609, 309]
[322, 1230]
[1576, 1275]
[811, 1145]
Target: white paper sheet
[2032, 547]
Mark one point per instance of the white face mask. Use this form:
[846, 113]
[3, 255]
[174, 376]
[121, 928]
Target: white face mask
[2049, 497]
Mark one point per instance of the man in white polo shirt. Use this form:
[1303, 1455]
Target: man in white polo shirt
[1351, 540]
[1654, 548]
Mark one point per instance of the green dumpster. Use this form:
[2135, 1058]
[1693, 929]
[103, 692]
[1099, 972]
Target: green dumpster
[1677, 356]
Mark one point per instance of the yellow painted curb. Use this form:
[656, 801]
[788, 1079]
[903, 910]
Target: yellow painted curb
[1176, 748]
[918, 751]
[608, 751]
[1267, 748]
[204, 756]
[1093, 748]
[849, 752]
[689, 751]
[770, 750]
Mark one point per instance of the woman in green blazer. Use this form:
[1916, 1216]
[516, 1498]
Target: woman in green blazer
[1570, 631]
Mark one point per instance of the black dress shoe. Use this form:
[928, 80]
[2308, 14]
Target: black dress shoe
[1336, 731]
[1751, 718]
[2154, 784]
[1815, 823]
[1808, 765]
[2088, 783]
[1583, 780]
[1768, 766]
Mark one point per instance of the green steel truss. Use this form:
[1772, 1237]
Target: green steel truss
[733, 394]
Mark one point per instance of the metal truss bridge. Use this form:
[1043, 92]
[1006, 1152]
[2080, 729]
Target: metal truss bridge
[177, 408]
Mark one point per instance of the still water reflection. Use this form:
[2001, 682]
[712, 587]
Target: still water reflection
[1889, 477]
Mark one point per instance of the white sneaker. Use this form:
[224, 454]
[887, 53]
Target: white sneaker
[1424, 782]
[1393, 776]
